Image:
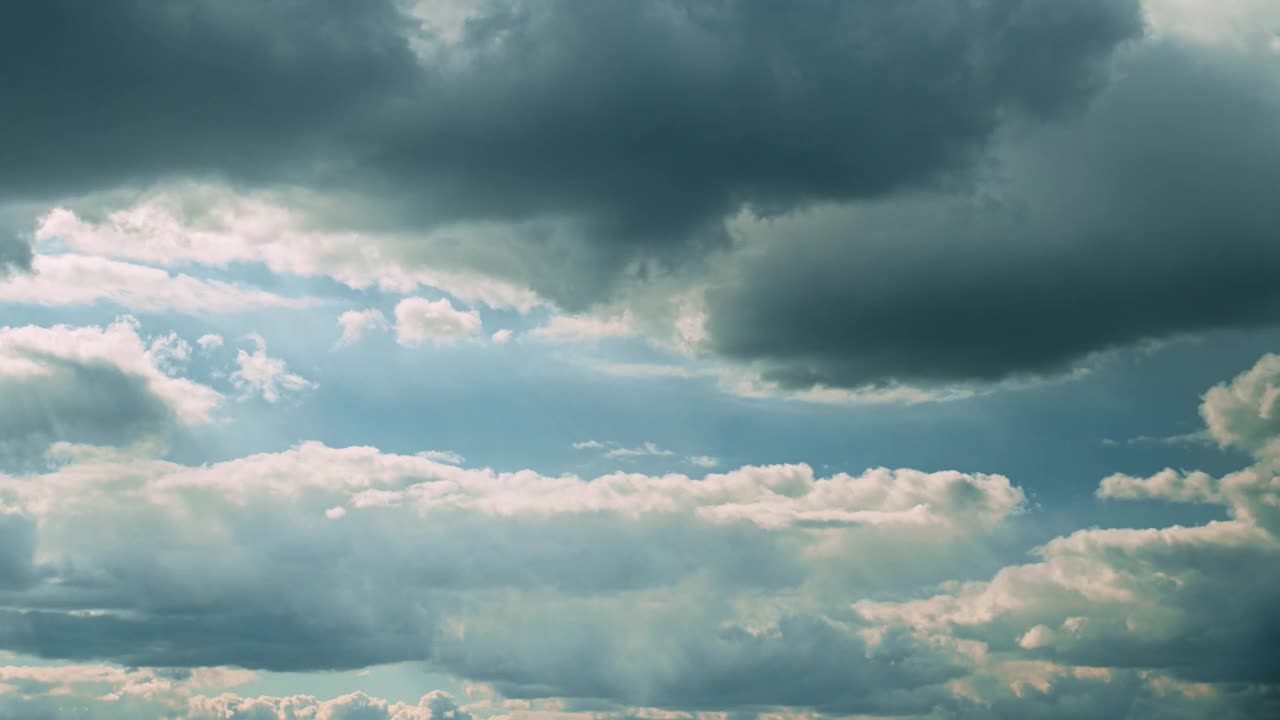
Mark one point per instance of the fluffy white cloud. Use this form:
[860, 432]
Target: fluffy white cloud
[1168, 484]
[770, 497]
[1245, 412]
[1151, 598]
[257, 373]
[355, 323]
[501, 337]
[82, 280]
[419, 320]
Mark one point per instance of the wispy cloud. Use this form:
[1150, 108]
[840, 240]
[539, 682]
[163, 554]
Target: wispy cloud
[646, 449]
[1198, 437]
[616, 450]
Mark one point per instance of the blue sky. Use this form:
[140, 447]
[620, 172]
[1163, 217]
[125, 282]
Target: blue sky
[537, 361]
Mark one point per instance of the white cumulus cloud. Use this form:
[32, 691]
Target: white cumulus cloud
[419, 320]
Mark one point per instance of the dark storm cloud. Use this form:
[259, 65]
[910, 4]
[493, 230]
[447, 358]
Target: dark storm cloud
[639, 124]
[1153, 215]
[101, 94]
[653, 119]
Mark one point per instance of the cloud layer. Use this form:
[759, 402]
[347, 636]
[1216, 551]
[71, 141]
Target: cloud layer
[253, 568]
[760, 587]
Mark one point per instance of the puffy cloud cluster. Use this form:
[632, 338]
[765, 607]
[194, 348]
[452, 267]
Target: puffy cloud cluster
[92, 383]
[1245, 412]
[773, 496]
[1193, 603]
[513, 578]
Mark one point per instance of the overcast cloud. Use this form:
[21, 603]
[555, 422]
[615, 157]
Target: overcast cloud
[668, 360]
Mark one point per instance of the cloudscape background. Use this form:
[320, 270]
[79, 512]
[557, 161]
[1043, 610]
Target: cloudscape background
[673, 360]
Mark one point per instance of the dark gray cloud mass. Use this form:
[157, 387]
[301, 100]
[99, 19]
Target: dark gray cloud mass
[650, 120]
[104, 94]
[639, 124]
[656, 114]
[1011, 197]
[1148, 217]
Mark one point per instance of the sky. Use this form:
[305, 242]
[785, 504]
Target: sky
[665, 360]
